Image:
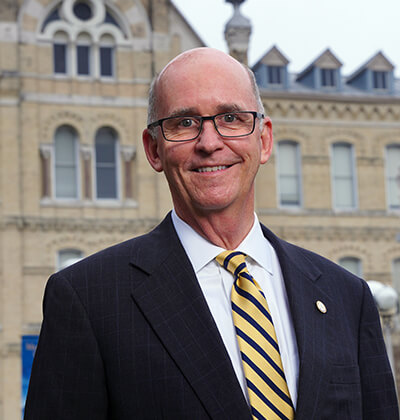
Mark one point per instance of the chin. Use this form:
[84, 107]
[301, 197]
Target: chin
[215, 205]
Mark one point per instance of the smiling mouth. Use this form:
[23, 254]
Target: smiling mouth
[212, 168]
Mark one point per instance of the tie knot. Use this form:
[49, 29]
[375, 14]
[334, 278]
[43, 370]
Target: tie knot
[233, 261]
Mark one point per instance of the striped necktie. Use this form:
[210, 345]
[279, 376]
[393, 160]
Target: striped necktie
[266, 383]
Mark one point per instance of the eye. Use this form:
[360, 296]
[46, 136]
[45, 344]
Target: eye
[186, 122]
[229, 118]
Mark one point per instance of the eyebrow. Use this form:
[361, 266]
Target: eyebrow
[229, 107]
[192, 111]
[183, 111]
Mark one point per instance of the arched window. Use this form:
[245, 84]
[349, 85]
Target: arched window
[106, 163]
[393, 176]
[352, 264]
[68, 257]
[343, 177]
[83, 55]
[92, 32]
[66, 162]
[106, 51]
[289, 173]
[60, 53]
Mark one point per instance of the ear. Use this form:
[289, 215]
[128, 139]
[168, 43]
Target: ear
[267, 140]
[150, 145]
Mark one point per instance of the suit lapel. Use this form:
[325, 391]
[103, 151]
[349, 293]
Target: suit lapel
[313, 328]
[171, 299]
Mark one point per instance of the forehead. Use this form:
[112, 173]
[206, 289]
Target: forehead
[205, 84]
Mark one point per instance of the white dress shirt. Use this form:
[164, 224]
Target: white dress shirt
[216, 284]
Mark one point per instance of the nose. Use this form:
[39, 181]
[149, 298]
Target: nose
[209, 140]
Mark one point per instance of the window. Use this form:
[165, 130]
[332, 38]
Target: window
[328, 77]
[396, 274]
[352, 264]
[85, 35]
[289, 174]
[82, 10]
[275, 76]
[83, 55]
[106, 56]
[106, 163]
[60, 58]
[60, 49]
[393, 176]
[380, 79]
[68, 257]
[343, 177]
[66, 168]
[106, 61]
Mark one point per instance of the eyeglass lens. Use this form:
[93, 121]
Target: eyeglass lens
[228, 125]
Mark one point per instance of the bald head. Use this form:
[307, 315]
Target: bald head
[208, 58]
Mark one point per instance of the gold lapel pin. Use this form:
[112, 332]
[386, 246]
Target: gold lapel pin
[321, 306]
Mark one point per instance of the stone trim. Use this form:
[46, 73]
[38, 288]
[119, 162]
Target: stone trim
[34, 224]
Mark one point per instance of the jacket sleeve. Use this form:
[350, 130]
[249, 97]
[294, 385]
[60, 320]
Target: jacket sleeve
[379, 398]
[67, 380]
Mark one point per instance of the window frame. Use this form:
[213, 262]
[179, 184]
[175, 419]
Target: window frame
[61, 38]
[112, 61]
[380, 80]
[275, 72]
[299, 175]
[328, 75]
[77, 166]
[389, 179]
[396, 273]
[66, 69]
[117, 168]
[89, 47]
[354, 182]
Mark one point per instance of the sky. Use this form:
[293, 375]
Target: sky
[354, 30]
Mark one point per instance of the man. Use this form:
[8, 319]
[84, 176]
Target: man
[153, 328]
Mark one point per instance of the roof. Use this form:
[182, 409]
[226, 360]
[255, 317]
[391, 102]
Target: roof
[273, 57]
[325, 60]
[376, 62]
[346, 91]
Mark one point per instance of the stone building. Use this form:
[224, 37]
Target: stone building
[74, 77]
[333, 183]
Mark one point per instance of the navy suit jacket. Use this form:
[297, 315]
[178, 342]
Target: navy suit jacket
[127, 334]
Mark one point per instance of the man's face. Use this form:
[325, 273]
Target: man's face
[210, 173]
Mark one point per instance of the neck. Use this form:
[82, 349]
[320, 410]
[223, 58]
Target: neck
[224, 228]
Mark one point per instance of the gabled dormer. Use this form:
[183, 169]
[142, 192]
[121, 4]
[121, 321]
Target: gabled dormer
[375, 76]
[323, 73]
[271, 70]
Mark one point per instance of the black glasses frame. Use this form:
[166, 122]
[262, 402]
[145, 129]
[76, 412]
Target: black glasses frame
[207, 118]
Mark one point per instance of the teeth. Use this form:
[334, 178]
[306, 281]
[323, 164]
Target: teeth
[211, 169]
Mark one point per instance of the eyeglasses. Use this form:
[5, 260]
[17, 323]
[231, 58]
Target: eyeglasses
[187, 128]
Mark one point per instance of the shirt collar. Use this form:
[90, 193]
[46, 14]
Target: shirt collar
[201, 251]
